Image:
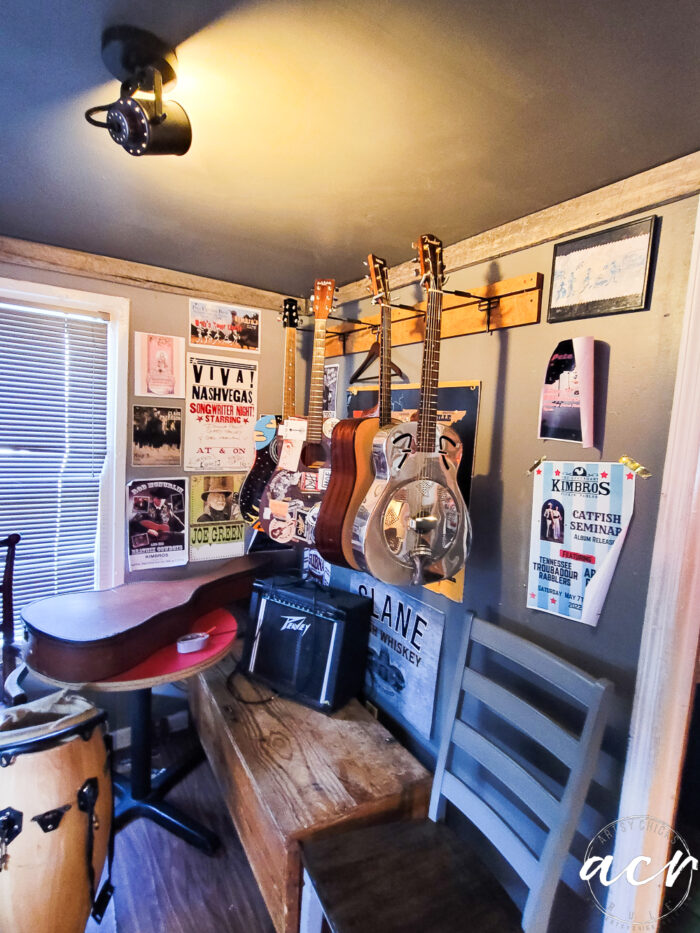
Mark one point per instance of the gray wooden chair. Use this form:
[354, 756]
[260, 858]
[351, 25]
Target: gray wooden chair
[520, 747]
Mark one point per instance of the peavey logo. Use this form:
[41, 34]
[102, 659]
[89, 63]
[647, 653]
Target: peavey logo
[296, 624]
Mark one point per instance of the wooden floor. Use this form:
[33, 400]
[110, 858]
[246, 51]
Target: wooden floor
[163, 885]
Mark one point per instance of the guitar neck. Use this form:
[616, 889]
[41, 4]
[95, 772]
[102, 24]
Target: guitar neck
[385, 367]
[289, 393]
[425, 440]
[314, 432]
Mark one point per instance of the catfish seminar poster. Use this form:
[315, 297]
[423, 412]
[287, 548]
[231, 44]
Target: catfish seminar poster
[580, 516]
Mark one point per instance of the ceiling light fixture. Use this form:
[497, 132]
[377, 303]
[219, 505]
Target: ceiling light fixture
[144, 65]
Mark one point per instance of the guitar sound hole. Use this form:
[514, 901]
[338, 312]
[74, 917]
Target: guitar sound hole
[421, 519]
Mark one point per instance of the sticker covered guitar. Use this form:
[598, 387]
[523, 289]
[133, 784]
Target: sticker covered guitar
[292, 497]
[268, 443]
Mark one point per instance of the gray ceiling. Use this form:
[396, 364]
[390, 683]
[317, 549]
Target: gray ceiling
[323, 131]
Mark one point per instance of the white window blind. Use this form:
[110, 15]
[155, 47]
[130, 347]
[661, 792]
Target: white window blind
[53, 444]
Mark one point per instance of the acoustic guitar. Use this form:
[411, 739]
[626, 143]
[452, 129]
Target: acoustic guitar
[351, 445]
[268, 443]
[89, 636]
[291, 500]
[413, 525]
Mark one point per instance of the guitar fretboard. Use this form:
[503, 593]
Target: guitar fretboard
[289, 390]
[385, 367]
[430, 373]
[314, 419]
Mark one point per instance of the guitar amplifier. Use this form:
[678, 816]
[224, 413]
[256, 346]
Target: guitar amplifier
[308, 643]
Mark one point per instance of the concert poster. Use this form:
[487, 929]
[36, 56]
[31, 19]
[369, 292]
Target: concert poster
[224, 327]
[458, 406]
[217, 528]
[566, 404]
[580, 516]
[156, 436]
[330, 390]
[220, 414]
[157, 523]
[159, 365]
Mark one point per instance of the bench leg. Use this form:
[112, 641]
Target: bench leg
[311, 919]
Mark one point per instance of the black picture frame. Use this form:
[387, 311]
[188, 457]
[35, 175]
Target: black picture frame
[602, 281]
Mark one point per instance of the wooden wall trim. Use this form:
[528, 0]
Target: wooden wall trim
[669, 182]
[670, 634]
[136, 274]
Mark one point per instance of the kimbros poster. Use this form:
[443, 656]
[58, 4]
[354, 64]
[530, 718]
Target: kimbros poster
[580, 516]
[221, 411]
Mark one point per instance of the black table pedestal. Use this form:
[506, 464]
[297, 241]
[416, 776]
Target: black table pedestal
[139, 795]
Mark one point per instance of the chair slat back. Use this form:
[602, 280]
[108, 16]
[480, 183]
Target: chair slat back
[501, 735]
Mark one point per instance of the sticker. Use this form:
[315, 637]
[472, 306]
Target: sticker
[281, 530]
[328, 426]
[291, 453]
[279, 508]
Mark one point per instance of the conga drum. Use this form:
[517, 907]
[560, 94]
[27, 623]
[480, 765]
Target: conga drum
[55, 813]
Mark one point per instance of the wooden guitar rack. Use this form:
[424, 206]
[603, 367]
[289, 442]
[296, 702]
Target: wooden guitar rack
[509, 303]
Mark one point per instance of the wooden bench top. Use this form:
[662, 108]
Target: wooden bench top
[289, 773]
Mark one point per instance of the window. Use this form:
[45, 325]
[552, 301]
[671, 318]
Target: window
[62, 436]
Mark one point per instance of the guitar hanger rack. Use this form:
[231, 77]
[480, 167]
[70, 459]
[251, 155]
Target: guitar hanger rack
[509, 303]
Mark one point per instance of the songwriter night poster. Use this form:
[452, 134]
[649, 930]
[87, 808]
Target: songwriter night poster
[580, 516]
[220, 413]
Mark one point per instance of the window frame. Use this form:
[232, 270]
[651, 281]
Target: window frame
[109, 557]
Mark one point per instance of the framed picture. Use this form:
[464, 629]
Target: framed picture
[602, 273]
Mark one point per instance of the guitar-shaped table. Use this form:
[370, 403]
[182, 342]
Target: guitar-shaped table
[268, 443]
[413, 525]
[292, 497]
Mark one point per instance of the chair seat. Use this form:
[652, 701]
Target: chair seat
[407, 877]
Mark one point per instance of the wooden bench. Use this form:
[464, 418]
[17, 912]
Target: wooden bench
[289, 773]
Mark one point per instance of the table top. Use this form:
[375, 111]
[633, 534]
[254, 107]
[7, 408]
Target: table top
[167, 664]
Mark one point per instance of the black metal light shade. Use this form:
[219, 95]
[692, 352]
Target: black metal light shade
[142, 125]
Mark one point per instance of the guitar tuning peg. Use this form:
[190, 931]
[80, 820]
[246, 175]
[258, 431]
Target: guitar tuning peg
[414, 246]
[368, 276]
[337, 288]
[365, 263]
[279, 317]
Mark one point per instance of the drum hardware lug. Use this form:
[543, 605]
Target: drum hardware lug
[7, 760]
[86, 734]
[87, 795]
[10, 828]
[51, 819]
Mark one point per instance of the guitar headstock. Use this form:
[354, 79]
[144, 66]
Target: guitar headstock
[379, 279]
[323, 298]
[290, 315]
[432, 266]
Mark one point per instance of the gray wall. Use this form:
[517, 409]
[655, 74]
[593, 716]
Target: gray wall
[635, 370]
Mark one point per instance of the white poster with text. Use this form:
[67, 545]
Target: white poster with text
[221, 411]
[580, 516]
